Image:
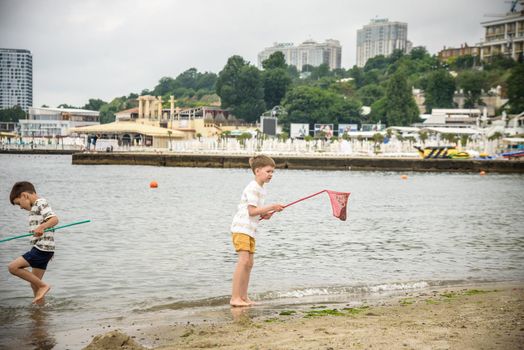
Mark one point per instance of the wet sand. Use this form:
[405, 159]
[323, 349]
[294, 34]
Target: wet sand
[484, 316]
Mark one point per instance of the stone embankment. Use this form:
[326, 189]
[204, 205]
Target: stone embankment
[303, 162]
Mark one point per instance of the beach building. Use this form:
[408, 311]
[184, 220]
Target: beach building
[453, 118]
[9, 127]
[505, 124]
[127, 134]
[309, 52]
[16, 78]
[151, 125]
[56, 122]
[381, 37]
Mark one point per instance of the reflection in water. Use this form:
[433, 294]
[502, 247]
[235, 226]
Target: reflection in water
[39, 336]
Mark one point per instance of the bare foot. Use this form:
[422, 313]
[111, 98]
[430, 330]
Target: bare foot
[238, 303]
[39, 302]
[249, 301]
[40, 293]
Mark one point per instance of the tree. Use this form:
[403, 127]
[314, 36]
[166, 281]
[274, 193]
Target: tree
[499, 62]
[185, 85]
[369, 94]
[418, 53]
[108, 110]
[496, 136]
[320, 72]
[399, 105]
[464, 140]
[276, 84]
[377, 62]
[452, 138]
[165, 85]
[423, 136]
[463, 62]
[396, 55]
[515, 85]
[94, 104]
[307, 104]
[242, 138]
[65, 105]
[12, 115]
[240, 88]
[275, 60]
[473, 82]
[439, 90]
[358, 76]
[277, 79]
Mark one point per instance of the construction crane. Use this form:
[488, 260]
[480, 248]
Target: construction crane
[513, 9]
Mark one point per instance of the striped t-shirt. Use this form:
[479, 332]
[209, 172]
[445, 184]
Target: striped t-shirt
[254, 195]
[40, 212]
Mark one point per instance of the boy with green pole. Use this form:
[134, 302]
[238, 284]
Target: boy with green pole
[41, 219]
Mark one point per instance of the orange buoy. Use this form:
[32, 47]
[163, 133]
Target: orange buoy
[404, 177]
[482, 173]
[153, 184]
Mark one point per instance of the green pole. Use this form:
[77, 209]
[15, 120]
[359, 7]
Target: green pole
[46, 230]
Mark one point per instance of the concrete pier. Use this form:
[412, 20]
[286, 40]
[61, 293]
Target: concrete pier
[303, 162]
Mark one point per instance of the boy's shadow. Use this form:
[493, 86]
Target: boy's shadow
[39, 336]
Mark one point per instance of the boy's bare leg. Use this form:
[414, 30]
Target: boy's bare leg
[240, 278]
[18, 268]
[245, 297]
[40, 274]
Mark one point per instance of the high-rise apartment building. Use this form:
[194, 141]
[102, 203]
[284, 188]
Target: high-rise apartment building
[381, 37]
[504, 36]
[309, 52]
[16, 78]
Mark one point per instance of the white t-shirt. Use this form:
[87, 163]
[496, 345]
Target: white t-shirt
[254, 195]
[40, 212]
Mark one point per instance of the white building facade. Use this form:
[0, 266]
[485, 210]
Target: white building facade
[16, 78]
[381, 37]
[56, 122]
[308, 53]
[504, 36]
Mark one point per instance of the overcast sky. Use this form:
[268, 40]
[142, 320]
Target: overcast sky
[108, 48]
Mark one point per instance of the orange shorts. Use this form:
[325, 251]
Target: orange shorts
[241, 241]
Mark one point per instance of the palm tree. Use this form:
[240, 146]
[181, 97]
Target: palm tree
[423, 137]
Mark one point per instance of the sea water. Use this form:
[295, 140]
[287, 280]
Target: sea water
[170, 247]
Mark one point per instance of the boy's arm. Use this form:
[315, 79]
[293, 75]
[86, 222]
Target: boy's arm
[256, 211]
[51, 222]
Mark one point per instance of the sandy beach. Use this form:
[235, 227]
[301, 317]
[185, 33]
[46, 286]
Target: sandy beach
[484, 316]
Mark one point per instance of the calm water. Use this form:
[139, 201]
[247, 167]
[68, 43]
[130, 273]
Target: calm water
[150, 248]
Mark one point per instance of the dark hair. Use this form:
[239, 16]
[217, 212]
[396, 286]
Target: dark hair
[18, 188]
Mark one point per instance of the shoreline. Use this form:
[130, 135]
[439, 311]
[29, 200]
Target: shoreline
[471, 316]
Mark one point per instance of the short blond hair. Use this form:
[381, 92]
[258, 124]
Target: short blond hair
[261, 161]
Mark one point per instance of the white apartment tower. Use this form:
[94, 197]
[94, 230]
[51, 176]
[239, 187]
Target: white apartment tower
[309, 52]
[381, 37]
[504, 36]
[16, 78]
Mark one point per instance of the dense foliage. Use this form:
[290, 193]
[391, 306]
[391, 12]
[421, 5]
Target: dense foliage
[320, 95]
